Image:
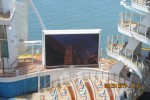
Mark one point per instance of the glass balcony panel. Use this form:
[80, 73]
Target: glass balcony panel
[125, 53]
[132, 22]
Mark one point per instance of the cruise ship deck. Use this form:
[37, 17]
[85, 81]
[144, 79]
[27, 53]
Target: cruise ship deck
[25, 66]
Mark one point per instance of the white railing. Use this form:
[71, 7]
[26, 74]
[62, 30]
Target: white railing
[132, 22]
[117, 48]
[91, 74]
[142, 2]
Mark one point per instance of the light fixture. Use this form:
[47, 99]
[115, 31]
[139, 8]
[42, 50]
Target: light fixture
[130, 70]
[9, 28]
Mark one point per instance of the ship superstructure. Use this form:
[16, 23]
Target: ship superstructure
[23, 71]
[8, 36]
[132, 49]
[142, 5]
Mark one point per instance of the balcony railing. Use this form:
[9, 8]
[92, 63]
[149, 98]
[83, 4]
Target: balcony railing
[64, 80]
[132, 23]
[116, 44]
[30, 56]
[142, 2]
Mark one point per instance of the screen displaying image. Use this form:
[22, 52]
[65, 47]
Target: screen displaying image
[71, 49]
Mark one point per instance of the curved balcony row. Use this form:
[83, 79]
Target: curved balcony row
[133, 25]
[116, 48]
[143, 2]
[93, 84]
[143, 5]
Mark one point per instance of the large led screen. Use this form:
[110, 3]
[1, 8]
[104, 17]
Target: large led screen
[71, 49]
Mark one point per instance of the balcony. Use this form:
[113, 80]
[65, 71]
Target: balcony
[134, 25]
[5, 18]
[143, 5]
[119, 50]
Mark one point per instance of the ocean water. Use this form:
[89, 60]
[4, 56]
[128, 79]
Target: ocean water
[76, 14]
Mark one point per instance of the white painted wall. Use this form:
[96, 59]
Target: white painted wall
[6, 6]
[12, 44]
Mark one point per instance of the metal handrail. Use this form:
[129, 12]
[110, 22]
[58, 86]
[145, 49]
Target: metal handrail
[11, 72]
[139, 63]
[133, 14]
[141, 3]
[87, 74]
[126, 22]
